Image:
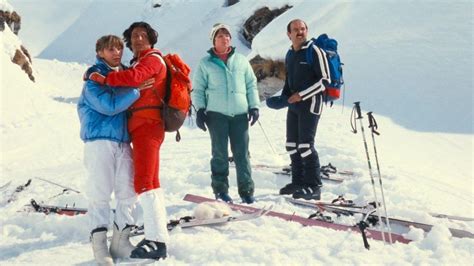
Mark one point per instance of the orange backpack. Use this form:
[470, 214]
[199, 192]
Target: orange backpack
[177, 101]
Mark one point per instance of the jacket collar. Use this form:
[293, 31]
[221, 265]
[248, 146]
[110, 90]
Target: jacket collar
[213, 54]
[102, 64]
[147, 52]
[304, 46]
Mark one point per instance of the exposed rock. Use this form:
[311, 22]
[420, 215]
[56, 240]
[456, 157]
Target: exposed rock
[15, 22]
[232, 2]
[2, 20]
[22, 56]
[23, 49]
[12, 20]
[259, 20]
[24, 61]
[156, 3]
[270, 75]
[264, 68]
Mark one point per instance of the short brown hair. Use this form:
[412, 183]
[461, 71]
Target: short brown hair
[288, 27]
[108, 41]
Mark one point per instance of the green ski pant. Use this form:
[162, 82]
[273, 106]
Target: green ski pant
[223, 128]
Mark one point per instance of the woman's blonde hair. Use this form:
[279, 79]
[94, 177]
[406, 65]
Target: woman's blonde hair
[108, 41]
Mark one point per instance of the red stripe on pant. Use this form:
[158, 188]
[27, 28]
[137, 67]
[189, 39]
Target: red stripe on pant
[146, 141]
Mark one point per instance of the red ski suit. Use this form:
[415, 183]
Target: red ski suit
[146, 127]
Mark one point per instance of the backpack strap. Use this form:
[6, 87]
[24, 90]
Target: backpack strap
[310, 53]
[168, 83]
[168, 78]
[287, 56]
[131, 111]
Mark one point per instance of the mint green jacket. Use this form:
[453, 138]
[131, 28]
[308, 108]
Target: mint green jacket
[227, 89]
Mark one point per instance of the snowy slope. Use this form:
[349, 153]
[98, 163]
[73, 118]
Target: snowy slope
[47, 145]
[422, 172]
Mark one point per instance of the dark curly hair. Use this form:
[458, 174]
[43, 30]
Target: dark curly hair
[152, 34]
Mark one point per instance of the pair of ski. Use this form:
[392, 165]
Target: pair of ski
[366, 233]
[328, 172]
[189, 221]
[351, 209]
[14, 194]
[49, 209]
[184, 222]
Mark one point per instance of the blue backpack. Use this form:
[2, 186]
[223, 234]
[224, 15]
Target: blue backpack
[333, 89]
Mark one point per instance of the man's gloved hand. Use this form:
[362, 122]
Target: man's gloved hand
[253, 116]
[97, 77]
[277, 102]
[201, 119]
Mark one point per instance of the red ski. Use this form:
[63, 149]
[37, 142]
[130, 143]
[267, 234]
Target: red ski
[373, 234]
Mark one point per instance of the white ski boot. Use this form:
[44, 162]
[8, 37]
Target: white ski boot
[120, 246]
[99, 246]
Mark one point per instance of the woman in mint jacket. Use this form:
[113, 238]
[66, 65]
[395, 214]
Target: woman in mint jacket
[226, 97]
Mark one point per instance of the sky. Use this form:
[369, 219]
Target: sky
[425, 167]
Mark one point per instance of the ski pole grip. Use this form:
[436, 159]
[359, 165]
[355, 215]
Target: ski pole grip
[362, 225]
[371, 119]
[372, 123]
[359, 113]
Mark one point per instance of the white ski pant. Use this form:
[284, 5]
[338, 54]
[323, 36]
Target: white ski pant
[109, 168]
[154, 215]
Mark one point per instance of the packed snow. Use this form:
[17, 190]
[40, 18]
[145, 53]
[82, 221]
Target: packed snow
[426, 167]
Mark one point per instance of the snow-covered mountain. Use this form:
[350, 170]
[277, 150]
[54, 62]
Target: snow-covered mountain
[422, 171]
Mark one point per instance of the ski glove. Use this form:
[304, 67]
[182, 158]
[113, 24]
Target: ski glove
[277, 102]
[201, 119]
[253, 116]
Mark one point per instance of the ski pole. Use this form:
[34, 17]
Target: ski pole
[56, 184]
[359, 117]
[373, 126]
[266, 137]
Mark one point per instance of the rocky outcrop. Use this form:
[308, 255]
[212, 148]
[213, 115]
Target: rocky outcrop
[11, 19]
[231, 2]
[264, 68]
[259, 20]
[156, 3]
[270, 75]
[22, 56]
[23, 59]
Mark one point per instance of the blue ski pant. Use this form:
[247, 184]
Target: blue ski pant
[301, 126]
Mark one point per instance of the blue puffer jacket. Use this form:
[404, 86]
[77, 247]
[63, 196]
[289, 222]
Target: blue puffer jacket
[101, 108]
[229, 89]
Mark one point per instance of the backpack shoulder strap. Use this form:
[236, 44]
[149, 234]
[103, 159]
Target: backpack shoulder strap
[310, 52]
[287, 56]
[168, 76]
[168, 82]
